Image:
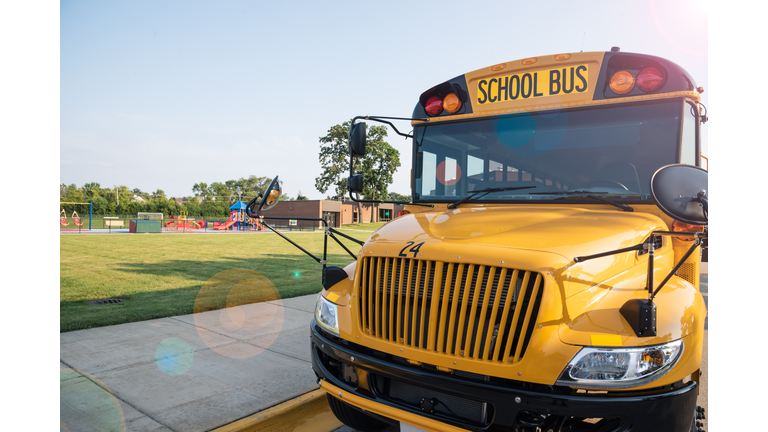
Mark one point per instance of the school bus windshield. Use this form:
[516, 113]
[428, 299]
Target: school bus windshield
[610, 150]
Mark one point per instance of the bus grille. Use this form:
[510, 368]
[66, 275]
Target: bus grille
[460, 310]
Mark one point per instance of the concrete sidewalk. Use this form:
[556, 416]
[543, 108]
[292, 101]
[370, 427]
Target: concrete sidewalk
[186, 373]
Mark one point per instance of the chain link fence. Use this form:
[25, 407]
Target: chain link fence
[190, 224]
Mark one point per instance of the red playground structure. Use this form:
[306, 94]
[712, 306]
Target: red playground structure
[182, 222]
[238, 220]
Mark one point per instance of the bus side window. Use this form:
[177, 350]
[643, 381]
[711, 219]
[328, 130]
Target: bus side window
[688, 150]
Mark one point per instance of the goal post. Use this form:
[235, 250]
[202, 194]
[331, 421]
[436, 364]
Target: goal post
[149, 216]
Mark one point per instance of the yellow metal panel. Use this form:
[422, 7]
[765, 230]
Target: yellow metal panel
[507, 306]
[415, 308]
[392, 298]
[454, 305]
[460, 335]
[434, 309]
[528, 314]
[369, 291]
[406, 315]
[516, 316]
[606, 340]
[473, 313]
[423, 303]
[484, 310]
[444, 307]
[400, 287]
[364, 325]
[495, 310]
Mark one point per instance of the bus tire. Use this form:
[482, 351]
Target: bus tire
[354, 418]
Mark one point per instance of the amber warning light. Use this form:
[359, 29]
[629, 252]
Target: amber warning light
[450, 103]
[648, 80]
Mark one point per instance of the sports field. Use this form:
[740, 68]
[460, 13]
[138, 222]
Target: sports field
[162, 274]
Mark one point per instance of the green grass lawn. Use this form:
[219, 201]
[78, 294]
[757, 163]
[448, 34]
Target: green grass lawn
[162, 274]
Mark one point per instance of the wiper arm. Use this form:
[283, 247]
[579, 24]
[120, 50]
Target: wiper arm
[589, 195]
[624, 207]
[573, 192]
[486, 191]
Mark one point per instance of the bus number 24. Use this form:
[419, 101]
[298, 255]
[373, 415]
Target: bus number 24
[414, 248]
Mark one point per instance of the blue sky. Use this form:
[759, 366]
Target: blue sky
[168, 94]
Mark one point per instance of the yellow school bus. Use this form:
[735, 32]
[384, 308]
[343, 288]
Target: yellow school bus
[545, 275]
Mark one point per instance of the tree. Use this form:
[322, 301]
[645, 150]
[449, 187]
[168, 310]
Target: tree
[300, 197]
[158, 194]
[394, 196]
[377, 166]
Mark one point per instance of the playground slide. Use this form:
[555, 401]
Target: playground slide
[226, 225]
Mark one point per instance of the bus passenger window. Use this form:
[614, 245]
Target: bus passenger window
[688, 151]
[495, 173]
[474, 173]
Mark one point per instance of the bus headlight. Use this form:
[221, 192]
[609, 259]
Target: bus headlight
[325, 315]
[620, 367]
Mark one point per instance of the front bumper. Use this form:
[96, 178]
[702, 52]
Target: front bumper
[504, 406]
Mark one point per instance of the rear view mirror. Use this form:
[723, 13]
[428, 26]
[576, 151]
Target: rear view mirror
[357, 139]
[355, 183]
[271, 195]
[680, 191]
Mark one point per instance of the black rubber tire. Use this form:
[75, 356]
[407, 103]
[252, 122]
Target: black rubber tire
[354, 418]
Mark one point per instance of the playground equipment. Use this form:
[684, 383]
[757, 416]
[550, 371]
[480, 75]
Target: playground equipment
[182, 221]
[233, 217]
[239, 220]
[77, 220]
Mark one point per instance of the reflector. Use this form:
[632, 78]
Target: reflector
[678, 226]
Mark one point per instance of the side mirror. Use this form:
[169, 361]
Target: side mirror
[355, 183]
[357, 137]
[680, 191]
[271, 195]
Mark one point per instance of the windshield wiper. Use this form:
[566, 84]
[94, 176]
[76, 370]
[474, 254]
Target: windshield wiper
[486, 191]
[589, 195]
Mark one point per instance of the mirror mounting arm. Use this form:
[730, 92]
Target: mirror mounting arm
[381, 119]
[641, 314]
[357, 148]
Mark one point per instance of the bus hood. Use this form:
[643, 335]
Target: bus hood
[542, 238]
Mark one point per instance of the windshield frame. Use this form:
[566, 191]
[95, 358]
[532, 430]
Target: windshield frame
[684, 104]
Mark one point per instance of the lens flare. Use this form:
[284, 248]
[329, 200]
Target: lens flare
[174, 356]
[240, 304]
[87, 404]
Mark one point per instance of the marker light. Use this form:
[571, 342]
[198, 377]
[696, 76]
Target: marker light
[561, 57]
[622, 82]
[529, 61]
[649, 79]
[434, 106]
[451, 103]
[678, 226]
